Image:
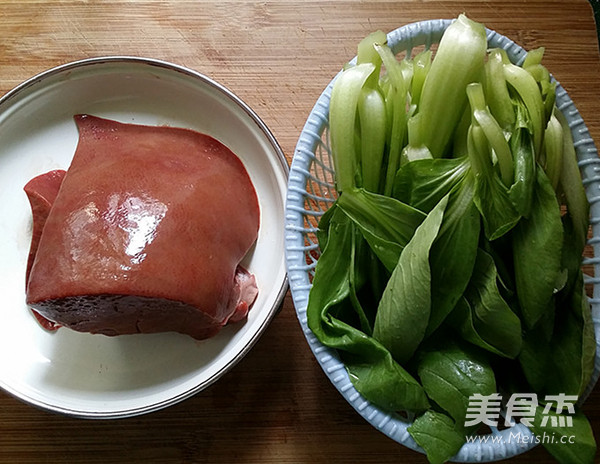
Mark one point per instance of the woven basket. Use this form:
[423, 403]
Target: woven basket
[311, 191]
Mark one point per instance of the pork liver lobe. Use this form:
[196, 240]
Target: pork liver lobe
[146, 233]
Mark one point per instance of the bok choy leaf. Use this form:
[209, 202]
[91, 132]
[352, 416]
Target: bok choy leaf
[403, 312]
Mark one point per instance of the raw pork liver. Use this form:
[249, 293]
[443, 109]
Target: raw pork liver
[144, 233]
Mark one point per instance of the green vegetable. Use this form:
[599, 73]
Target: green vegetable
[526, 87]
[403, 312]
[386, 224]
[491, 317]
[484, 143]
[495, 86]
[492, 131]
[553, 150]
[463, 319]
[573, 344]
[572, 185]
[423, 183]
[375, 374]
[396, 101]
[521, 144]
[491, 195]
[573, 444]
[461, 55]
[422, 65]
[453, 253]
[537, 243]
[450, 374]
[438, 435]
[342, 121]
[372, 115]
[451, 260]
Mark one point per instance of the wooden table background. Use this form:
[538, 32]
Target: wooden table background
[276, 405]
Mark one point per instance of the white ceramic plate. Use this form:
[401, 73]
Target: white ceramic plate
[93, 375]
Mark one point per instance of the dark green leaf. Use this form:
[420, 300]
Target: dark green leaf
[491, 195]
[535, 357]
[461, 319]
[561, 360]
[403, 312]
[423, 183]
[371, 367]
[452, 373]
[438, 435]
[323, 228]
[497, 210]
[569, 444]
[492, 318]
[453, 253]
[386, 223]
[331, 285]
[537, 242]
[358, 278]
[572, 252]
[382, 381]
[573, 344]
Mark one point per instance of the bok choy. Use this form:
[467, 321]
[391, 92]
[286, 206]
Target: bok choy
[450, 262]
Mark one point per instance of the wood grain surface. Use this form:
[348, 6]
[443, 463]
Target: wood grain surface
[276, 405]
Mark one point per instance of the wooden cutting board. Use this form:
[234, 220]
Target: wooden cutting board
[276, 406]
